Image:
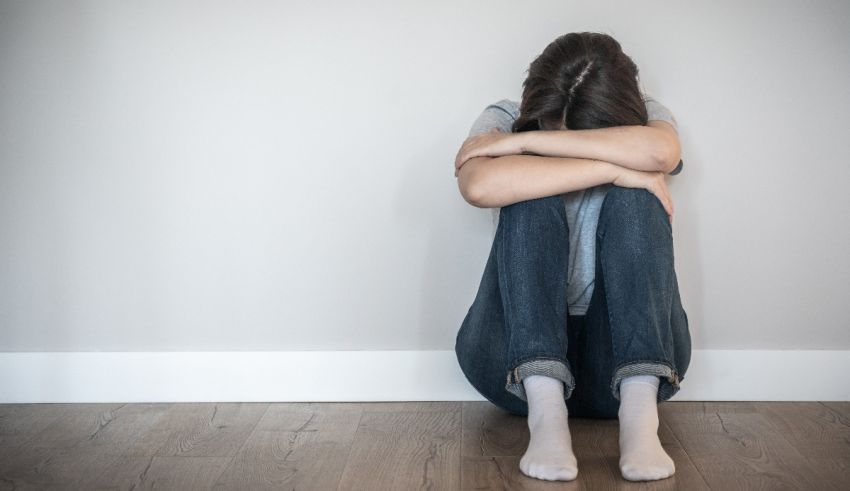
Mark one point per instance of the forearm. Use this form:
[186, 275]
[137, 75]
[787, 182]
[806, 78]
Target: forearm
[491, 182]
[634, 146]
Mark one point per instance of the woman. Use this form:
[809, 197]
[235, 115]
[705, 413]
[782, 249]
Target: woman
[578, 311]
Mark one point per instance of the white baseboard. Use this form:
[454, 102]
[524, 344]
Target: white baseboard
[328, 376]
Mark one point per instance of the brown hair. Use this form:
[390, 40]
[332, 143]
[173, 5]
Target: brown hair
[584, 80]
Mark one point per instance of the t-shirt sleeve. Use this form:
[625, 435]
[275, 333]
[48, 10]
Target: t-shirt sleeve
[657, 111]
[496, 115]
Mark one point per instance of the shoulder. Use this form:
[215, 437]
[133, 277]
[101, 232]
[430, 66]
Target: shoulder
[655, 110]
[500, 114]
[508, 106]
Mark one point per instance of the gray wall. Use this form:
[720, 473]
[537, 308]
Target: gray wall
[279, 176]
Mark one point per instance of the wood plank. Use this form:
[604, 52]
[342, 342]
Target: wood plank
[492, 443]
[735, 449]
[705, 406]
[40, 467]
[414, 406]
[819, 434]
[488, 431]
[128, 423]
[158, 472]
[19, 423]
[285, 460]
[313, 407]
[10, 445]
[295, 447]
[840, 407]
[810, 425]
[405, 450]
[199, 430]
[687, 474]
[333, 418]
[29, 419]
[469, 445]
[502, 472]
[76, 424]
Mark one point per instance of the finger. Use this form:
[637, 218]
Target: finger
[457, 169]
[471, 153]
[668, 205]
[662, 198]
[460, 152]
[460, 159]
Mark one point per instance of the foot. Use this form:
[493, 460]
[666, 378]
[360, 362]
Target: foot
[550, 451]
[642, 458]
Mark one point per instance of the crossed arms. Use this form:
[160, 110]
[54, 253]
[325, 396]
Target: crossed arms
[498, 169]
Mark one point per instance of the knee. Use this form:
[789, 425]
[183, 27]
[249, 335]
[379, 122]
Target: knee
[632, 202]
[530, 209]
[635, 211]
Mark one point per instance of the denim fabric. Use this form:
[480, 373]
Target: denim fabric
[583, 205]
[519, 325]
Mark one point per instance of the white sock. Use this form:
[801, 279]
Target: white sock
[641, 456]
[550, 451]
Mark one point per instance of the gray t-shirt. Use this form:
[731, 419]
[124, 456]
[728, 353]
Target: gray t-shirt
[582, 206]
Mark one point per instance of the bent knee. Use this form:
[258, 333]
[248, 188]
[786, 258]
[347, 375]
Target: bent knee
[534, 205]
[629, 197]
[632, 202]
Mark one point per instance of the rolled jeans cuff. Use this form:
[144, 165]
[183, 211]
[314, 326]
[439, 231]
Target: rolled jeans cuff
[668, 384]
[548, 367]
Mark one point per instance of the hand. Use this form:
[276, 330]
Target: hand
[652, 181]
[494, 143]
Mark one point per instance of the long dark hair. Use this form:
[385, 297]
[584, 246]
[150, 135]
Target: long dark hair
[584, 80]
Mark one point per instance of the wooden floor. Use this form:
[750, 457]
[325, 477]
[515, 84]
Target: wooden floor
[377, 446]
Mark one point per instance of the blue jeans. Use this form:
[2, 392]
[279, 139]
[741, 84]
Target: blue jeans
[519, 324]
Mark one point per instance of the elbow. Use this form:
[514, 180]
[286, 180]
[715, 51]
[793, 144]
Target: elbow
[473, 192]
[667, 155]
[472, 184]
